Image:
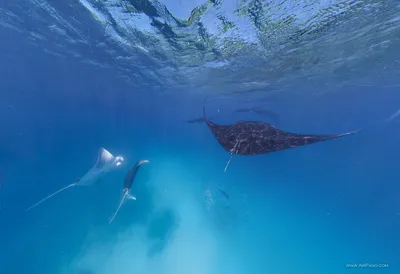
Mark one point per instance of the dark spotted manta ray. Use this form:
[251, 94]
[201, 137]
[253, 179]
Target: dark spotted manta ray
[254, 138]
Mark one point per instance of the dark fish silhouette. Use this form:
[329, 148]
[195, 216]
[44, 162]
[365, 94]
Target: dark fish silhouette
[195, 120]
[105, 163]
[254, 138]
[224, 193]
[128, 181]
[248, 91]
[274, 117]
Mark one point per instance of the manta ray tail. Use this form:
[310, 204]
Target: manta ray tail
[51, 195]
[347, 133]
[126, 196]
[229, 161]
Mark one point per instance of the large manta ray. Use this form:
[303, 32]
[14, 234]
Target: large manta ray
[254, 138]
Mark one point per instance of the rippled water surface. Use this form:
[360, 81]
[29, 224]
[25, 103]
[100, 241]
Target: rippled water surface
[221, 46]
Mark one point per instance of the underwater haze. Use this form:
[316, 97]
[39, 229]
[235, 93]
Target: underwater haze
[132, 76]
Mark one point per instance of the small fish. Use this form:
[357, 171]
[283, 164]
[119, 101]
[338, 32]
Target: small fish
[224, 193]
[272, 115]
[195, 120]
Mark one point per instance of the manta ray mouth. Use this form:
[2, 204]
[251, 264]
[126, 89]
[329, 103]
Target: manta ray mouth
[119, 160]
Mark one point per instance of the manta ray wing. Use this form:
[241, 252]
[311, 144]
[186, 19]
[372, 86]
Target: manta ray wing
[104, 157]
[254, 138]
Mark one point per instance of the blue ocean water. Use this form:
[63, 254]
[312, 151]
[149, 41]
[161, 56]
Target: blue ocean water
[128, 75]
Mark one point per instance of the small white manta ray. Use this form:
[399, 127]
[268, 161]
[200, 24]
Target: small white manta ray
[105, 163]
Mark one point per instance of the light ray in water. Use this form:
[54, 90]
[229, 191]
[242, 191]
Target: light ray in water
[393, 116]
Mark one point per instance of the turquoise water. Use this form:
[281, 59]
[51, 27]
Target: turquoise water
[327, 208]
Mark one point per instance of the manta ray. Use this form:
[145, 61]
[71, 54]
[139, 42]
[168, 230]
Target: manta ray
[128, 182]
[104, 164]
[255, 137]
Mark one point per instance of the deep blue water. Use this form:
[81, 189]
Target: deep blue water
[312, 209]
